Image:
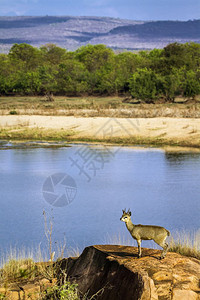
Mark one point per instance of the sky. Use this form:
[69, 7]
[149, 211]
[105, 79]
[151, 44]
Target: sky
[124, 9]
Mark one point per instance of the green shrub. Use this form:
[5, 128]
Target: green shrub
[66, 291]
[13, 112]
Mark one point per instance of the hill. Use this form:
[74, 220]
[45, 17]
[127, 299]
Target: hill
[73, 32]
[162, 29]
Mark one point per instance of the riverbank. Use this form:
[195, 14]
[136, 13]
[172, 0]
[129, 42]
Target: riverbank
[160, 131]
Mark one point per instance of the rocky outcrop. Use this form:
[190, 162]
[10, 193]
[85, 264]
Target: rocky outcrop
[115, 273]
[27, 290]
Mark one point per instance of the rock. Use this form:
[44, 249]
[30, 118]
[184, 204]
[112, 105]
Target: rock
[14, 295]
[31, 291]
[28, 290]
[184, 295]
[115, 273]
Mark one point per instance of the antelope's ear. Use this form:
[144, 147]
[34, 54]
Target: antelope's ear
[129, 213]
[123, 211]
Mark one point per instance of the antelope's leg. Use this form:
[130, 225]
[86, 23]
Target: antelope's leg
[139, 248]
[165, 248]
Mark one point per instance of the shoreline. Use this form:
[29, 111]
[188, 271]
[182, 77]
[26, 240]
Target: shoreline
[31, 144]
[156, 132]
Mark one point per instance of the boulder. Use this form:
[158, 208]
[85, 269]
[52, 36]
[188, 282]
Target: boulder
[114, 273]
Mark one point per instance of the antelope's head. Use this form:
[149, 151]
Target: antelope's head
[125, 216]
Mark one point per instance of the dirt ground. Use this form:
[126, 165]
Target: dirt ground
[180, 129]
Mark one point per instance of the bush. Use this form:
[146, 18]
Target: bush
[13, 112]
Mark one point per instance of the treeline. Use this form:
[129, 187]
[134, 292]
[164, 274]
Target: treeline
[97, 70]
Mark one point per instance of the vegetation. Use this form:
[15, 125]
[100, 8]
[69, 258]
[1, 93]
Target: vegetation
[19, 269]
[185, 243]
[97, 70]
[66, 291]
[30, 137]
[97, 107]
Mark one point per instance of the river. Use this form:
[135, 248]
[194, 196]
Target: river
[84, 188]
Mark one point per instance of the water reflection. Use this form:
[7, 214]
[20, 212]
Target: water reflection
[179, 158]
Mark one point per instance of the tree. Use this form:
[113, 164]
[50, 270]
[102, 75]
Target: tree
[27, 83]
[47, 76]
[174, 56]
[52, 54]
[96, 69]
[191, 84]
[26, 55]
[94, 57]
[71, 78]
[145, 84]
[172, 86]
[124, 65]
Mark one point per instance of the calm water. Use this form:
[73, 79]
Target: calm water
[159, 188]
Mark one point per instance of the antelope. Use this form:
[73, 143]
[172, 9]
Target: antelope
[146, 232]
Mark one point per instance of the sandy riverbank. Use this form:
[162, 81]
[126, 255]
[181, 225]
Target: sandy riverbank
[169, 131]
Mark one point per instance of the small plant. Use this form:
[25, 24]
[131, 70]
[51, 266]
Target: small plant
[67, 291]
[48, 269]
[13, 112]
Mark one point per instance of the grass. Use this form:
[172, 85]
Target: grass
[24, 266]
[146, 141]
[25, 133]
[66, 103]
[21, 133]
[187, 244]
[96, 106]
[17, 265]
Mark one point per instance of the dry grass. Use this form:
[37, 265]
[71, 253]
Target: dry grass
[17, 265]
[119, 239]
[96, 106]
[186, 243]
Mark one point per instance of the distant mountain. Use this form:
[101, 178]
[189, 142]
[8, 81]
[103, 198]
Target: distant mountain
[72, 32]
[161, 29]
[23, 22]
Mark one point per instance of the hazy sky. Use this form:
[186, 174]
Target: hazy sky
[129, 9]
